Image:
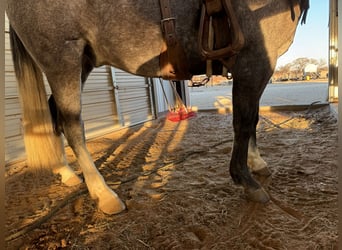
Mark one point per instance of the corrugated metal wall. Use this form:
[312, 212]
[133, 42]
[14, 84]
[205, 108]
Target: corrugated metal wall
[162, 100]
[134, 98]
[98, 103]
[14, 144]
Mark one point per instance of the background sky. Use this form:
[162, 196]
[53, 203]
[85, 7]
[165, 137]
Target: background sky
[311, 39]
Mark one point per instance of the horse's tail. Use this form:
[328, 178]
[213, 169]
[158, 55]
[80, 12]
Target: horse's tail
[41, 143]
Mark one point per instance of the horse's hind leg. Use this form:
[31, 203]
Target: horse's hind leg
[68, 176]
[66, 89]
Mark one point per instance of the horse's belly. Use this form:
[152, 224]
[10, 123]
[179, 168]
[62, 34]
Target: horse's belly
[140, 58]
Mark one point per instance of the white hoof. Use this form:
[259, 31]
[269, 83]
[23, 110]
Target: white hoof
[110, 203]
[72, 181]
[68, 176]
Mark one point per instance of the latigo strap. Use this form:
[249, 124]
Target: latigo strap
[172, 59]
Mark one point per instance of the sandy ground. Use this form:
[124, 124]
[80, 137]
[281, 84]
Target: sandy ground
[174, 179]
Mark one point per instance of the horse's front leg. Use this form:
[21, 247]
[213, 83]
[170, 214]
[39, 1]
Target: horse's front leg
[245, 111]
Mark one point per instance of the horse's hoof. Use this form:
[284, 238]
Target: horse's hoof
[110, 203]
[73, 181]
[258, 195]
[68, 176]
[263, 172]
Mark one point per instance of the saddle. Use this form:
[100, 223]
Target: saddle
[220, 38]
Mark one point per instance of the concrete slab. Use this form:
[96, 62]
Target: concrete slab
[276, 96]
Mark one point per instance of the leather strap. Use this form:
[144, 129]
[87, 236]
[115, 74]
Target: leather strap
[172, 59]
[236, 36]
[168, 23]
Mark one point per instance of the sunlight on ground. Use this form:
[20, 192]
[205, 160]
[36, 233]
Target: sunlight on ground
[285, 121]
[121, 148]
[172, 134]
[223, 102]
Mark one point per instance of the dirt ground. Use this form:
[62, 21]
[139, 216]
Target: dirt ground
[174, 179]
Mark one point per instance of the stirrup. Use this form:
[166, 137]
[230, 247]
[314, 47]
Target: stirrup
[230, 50]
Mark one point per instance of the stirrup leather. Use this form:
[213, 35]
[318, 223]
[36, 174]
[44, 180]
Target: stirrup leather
[210, 7]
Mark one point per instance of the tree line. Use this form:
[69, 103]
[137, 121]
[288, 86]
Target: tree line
[295, 70]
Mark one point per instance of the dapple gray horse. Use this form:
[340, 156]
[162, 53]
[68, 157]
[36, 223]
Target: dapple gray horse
[67, 39]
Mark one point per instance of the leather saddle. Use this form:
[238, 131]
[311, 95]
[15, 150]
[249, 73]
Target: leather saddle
[220, 38]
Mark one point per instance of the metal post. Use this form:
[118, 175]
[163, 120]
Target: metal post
[116, 97]
[333, 51]
[149, 82]
[339, 9]
[2, 125]
[339, 160]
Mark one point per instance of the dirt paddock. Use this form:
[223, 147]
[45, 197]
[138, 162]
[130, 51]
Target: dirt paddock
[175, 181]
